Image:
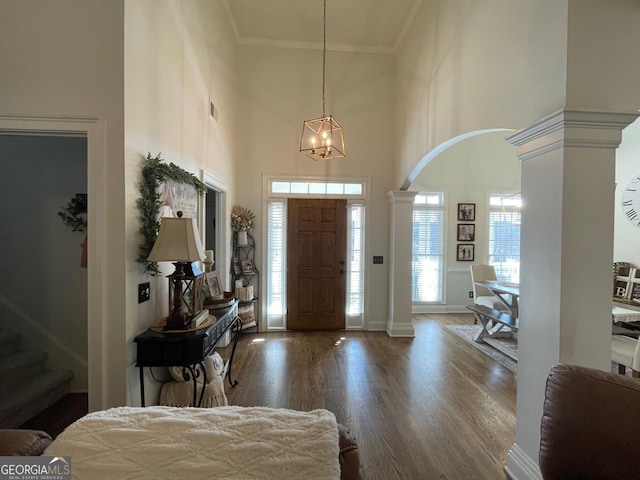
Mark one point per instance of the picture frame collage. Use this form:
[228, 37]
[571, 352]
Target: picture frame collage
[466, 232]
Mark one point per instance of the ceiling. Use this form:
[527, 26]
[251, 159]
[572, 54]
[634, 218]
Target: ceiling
[373, 26]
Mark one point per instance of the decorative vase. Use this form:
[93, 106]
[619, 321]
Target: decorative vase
[242, 238]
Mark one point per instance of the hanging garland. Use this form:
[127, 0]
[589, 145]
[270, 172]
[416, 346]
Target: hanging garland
[74, 215]
[154, 172]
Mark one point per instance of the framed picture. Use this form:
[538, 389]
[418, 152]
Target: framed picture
[215, 286]
[466, 252]
[467, 212]
[466, 232]
[247, 266]
[237, 268]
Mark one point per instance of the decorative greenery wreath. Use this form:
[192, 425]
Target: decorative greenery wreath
[154, 172]
[74, 215]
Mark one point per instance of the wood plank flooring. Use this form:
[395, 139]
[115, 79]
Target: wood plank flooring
[430, 407]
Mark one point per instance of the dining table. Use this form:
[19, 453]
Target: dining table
[497, 326]
[507, 292]
[625, 321]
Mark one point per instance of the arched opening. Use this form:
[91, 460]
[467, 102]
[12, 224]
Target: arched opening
[469, 169]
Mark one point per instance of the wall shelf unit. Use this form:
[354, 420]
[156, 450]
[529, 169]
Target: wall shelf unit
[243, 269]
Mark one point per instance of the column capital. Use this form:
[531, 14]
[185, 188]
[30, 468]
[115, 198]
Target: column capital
[571, 128]
[401, 196]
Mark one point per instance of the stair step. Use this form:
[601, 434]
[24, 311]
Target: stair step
[20, 368]
[9, 343]
[43, 390]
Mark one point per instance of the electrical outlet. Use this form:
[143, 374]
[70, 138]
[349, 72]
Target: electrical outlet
[470, 294]
[377, 260]
[144, 292]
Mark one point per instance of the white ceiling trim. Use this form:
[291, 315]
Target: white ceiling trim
[232, 20]
[262, 42]
[407, 24]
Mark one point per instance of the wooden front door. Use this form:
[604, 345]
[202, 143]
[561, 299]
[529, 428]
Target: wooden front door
[316, 256]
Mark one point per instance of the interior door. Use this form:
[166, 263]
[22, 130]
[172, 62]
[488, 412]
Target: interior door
[316, 256]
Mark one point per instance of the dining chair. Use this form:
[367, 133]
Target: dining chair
[625, 351]
[482, 295]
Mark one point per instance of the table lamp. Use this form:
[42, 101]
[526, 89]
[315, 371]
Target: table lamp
[178, 242]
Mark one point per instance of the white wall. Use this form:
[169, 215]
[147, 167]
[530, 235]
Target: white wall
[179, 56]
[468, 172]
[600, 52]
[63, 61]
[467, 66]
[626, 235]
[79, 58]
[43, 291]
[278, 90]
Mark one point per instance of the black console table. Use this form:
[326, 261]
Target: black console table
[188, 348]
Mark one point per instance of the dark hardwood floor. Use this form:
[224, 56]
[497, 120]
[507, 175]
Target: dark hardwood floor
[431, 407]
[60, 415]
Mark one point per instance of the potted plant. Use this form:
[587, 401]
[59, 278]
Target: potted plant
[241, 222]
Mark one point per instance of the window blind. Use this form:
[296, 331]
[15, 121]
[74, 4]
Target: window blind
[276, 257]
[428, 249]
[355, 278]
[504, 236]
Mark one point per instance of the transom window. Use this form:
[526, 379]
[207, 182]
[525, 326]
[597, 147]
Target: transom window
[317, 188]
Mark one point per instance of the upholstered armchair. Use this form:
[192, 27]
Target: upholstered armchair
[590, 425]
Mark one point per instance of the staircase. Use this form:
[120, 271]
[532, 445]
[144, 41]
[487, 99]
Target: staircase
[26, 386]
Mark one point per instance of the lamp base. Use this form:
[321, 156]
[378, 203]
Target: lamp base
[178, 321]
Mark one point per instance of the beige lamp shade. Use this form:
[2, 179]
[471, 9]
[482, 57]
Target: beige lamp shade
[178, 241]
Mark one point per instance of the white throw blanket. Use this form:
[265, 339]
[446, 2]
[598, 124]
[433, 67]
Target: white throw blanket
[201, 443]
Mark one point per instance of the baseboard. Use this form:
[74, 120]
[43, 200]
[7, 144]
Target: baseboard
[404, 329]
[520, 466]
[417, 308]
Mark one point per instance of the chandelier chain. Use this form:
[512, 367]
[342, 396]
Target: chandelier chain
[324, 51]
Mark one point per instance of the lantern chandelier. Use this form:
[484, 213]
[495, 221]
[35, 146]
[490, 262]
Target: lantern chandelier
[322, 137]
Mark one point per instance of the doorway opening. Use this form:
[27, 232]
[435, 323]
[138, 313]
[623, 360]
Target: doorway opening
[99, 384]
[214, 227]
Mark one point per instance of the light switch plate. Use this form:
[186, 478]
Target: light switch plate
[144, 292]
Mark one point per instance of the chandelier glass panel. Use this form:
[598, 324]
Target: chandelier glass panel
[322, 138]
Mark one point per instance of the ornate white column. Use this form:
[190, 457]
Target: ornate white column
[399, 323]
[568, 183]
